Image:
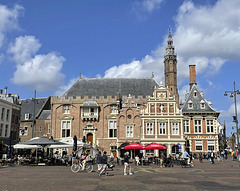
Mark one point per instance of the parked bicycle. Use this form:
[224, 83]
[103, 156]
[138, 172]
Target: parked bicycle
[78, 166]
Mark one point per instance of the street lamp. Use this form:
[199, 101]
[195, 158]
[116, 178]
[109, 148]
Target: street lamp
[235, 118]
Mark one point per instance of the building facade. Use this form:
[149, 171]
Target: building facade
[200, 120]
[35, 118]
[9, 120]
[111, 113]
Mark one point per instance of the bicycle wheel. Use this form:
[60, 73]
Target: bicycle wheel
[89, 167]
[75, 168]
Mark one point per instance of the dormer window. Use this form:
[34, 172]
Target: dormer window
[27, 116]
[195, 93]
[202, 104]
[190, 105]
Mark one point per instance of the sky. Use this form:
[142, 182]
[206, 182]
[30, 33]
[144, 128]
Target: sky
[46, 45]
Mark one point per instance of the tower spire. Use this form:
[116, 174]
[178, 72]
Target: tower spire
[170, 67]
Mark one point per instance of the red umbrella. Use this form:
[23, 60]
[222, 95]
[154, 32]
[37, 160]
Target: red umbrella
[155, 146]
[134, 146]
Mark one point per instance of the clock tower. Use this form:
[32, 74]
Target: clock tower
[170, 68]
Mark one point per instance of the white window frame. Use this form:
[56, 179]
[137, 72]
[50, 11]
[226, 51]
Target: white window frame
[198, 126]
[186, 125]
[40, 129]
[112, 128]
[66, 109]
[202, 105]
[65, 128]
[211, 143]
[162, 128]
[210, 126]
[114, 109]
[175, 128]
[198, 143]
[129, 130]
[149, 127]
[190, 105]
[49, 128]
[27, 116]
[3, 113]
[25, 129]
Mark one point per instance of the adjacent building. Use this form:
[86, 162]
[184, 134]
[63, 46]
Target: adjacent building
[200, 120]
[9, 119]
[35, 118]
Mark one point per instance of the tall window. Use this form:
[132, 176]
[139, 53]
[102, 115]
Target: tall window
[129, 130]
[66, 128]
[6, 130]
[149, 128]
[210, 126]
[40, 129]
[175, 129]
[112, 129]
[1, 129]
[186, 126]
[66, 109]
[7, 116]
[211, 145]
[198, 126]
[162, 128]
[49, 128]
[198, 145]
[2, 115]
[25, 131]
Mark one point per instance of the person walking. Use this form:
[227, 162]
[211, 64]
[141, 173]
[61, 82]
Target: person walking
[99, 161]
[104, 164]
[212, 157]
[200, 157]
[126, 164]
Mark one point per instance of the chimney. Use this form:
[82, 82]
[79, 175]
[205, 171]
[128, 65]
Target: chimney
[5, 90]
[192, 75]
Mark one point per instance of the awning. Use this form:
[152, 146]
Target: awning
[134, 146]
[155, 146]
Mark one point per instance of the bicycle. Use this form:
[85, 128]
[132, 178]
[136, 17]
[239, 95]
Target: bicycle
[77, 166]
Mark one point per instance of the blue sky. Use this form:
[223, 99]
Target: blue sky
[45, 45]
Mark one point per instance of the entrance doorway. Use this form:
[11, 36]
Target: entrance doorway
[90, 138]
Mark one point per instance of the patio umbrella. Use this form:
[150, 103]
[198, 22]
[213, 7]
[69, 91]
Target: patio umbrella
[43, 142]
[134, 146]
[155, 146]
[75, 143]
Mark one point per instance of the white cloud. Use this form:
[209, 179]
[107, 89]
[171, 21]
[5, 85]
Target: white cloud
[41, 72]
[140, 8]
[62, 89]
[207, 36]
[231, 111]
[9, 20]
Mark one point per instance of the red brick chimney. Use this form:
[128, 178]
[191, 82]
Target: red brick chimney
[192, 75]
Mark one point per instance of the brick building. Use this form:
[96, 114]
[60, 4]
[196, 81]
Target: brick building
[37, 109]
[111, 113]
[200, 119]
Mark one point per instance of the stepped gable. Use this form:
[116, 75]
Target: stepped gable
[27, 106]
[196, 98]
[110, 86]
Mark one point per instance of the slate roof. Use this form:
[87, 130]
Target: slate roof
[27, 107]
[196, 100]
[46, 114]
[110, 86]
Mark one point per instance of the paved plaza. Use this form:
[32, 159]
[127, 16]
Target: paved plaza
[205, 176]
